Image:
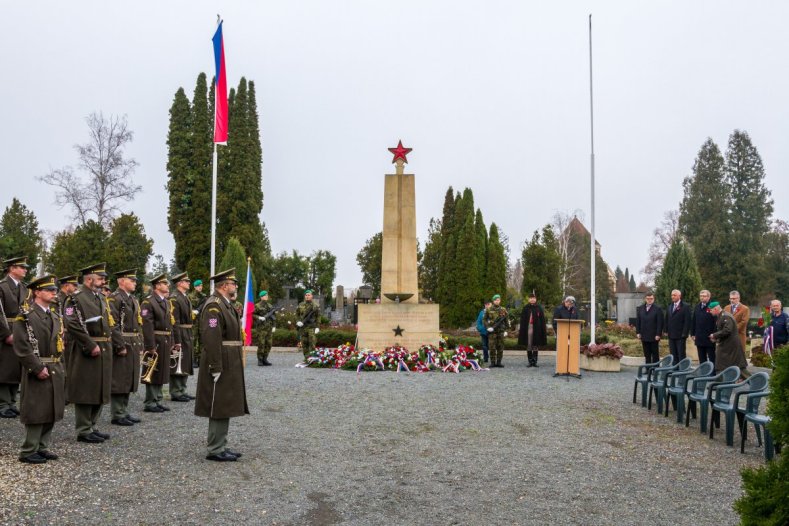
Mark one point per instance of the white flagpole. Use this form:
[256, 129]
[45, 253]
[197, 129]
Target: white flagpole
[593, 319]
[213, 208]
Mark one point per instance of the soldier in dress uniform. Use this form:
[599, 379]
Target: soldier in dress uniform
[68, 285]
[126, 362]
[264, 318]
[197, 297]
[92, 337]
[157, 328]
[221, 393]
[497, 330]
[38, 343]
[13, 292]
[308, 316]
[183, 313]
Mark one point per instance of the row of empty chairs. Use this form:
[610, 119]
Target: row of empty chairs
[687, 388]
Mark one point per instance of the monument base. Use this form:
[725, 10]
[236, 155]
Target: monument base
[410, 325]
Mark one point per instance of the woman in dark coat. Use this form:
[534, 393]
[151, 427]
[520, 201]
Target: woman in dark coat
[729, 348]
[532, 329]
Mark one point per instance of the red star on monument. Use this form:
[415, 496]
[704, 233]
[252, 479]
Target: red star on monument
[400, 152]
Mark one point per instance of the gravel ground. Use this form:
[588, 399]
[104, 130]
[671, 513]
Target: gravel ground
[506, 446]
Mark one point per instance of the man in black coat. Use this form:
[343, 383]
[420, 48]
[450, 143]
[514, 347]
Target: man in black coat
[565, 311]
[649, 328]
[677, 325]
[532, 329]
[701, 326]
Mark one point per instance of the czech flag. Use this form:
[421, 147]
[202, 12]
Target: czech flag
[220, 89]
[249, 307]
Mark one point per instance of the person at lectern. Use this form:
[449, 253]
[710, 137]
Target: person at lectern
[565, 311]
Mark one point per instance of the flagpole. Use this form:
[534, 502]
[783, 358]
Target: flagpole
[213, 209]
[593, 252]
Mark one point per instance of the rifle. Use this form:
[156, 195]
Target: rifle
[499, 321]
[309, 317]
[269, 314]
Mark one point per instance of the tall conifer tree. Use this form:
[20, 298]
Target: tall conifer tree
[180, 177]
[496, 277]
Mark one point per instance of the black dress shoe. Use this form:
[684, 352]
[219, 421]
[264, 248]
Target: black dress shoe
[224, 456]
[7, 413]
[261, 362]
[196, 365]
[99, 434]
[499, 365]
[90, 439]
[182, 398]
[267, 363]
[190, 397]
[163, 407]
[14, 410]
[35, 458]
[133, 419]
[154, 409]
[121, 422]
[234, 453]
[48, 455]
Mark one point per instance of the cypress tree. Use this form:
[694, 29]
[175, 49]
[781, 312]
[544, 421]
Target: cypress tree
[632, 284]
[198, 245]
[369, 261]
[496, 278]
[20, 234]
[180, 180]
[447, 280]
[428, 266]
[464, 302]
[482, 248]
[679, 272]
[235, 257]
[541, 264]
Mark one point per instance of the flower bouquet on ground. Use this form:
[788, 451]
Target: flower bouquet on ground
[398, 358]
[609, 350]
[428, 354]
[364, 360]
[461, 358]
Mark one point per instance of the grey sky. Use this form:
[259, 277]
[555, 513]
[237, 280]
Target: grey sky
[491, 95]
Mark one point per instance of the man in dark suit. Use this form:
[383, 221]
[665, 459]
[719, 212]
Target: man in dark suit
[677, 325]
[649, 327]
[701, 326]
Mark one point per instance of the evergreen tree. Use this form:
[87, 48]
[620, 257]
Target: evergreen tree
[289, 270]
[632, 284]
[703, 218]
[127, 245]
[180, 177]
[750, 215]
[679, 272]
[72, 251]
[235, 257]
[464, 302]
[197, 251]
[369, 261]
[482, 248]
[321, 273]
[428, 266]
[496, 277]
[447, 263]
[541, 264]
[19, 234]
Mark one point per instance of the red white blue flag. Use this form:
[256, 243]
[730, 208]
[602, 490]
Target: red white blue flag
[220, 89]
[249, 307]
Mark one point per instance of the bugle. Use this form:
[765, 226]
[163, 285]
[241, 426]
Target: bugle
[149, 361]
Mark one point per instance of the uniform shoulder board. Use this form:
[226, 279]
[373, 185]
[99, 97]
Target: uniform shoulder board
[76, 292]
[213, 309]
[110, 298]
[211, 300]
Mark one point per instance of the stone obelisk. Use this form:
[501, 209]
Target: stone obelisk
[399, 318]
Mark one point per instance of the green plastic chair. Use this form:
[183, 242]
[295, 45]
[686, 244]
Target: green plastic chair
[759, 422]
[678, 384]
[697, 394]
[725, 398]
[644, 376]
[659, 383]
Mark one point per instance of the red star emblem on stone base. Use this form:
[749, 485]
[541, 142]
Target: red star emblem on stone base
[400, 152]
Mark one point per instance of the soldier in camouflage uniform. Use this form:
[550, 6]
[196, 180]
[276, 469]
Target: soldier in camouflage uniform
[307, 323]
[264, 319]
[497, 330]
[197, 297]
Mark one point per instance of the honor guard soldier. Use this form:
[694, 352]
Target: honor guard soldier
[308, 316]
[92, 337]
[126, 362]
[264, 318]
[157, 329]
[68, 285]
[38, 343]
[13, 292]
[183, 313]
[197, 297]
[496, 323]
[221, 394]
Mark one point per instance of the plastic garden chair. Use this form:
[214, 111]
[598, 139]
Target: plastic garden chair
[724, 398]
[697, 394]
[677, 383]
[751, 414]
[659, 383]
[644, 376]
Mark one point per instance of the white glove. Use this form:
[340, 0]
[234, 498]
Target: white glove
[273, 330]
[195, 312]
[299, 324]
[216, 376]
[505, 334]
[261, 318]
[490, 329]
[317, 330]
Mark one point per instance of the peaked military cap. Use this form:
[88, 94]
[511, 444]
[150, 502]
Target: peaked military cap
[161, 278]
[16, 262]
[48, 282]
[225, 275]
[72, 278]
[128, 274]
[98, 268]
[184, 276]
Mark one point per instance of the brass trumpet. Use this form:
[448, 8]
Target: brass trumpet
[175, 360]
[149, 361]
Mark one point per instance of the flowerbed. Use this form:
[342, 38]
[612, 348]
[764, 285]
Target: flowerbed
[427, 358]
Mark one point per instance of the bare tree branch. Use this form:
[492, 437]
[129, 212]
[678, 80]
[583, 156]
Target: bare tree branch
[570, 268]
[662, 237]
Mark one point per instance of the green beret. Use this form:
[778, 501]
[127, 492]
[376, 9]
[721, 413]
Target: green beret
[197, 282]
[496, 297]
[308, 291]
[713, 304]
[263, 293]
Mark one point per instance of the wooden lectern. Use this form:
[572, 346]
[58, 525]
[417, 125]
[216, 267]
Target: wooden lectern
[568, 347]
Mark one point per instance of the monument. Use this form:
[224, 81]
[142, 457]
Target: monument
[399, 319]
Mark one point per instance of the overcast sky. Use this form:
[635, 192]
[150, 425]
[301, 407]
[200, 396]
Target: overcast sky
[492, 95]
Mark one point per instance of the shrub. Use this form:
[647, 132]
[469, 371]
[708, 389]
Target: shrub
[610, 350]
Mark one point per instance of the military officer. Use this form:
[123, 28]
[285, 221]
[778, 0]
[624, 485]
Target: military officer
[157, 328]
[68, 285]
[496, 323]
[221, 394]
[308, 315]
[197, 297]
[13, 292]
[184, 318]
[92, 338]
[264, 318]
[126, 362]
[38, 343]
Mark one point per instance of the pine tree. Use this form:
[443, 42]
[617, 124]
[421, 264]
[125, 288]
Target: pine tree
[541, 264]
[19, 234]
[369, 261]
[703, 218]
[496, 277]
[680, 272]
[180, 178]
